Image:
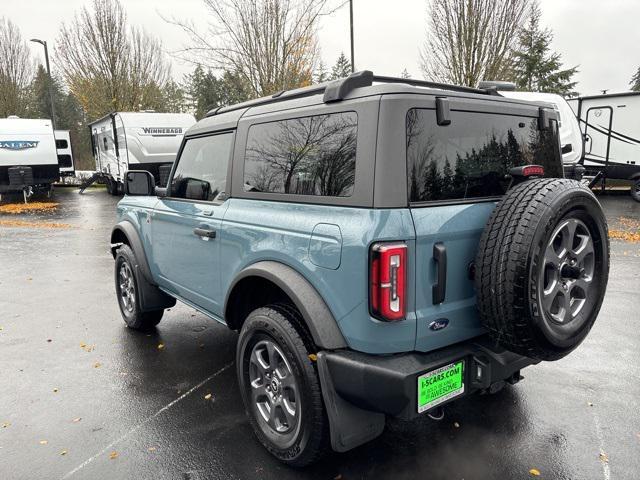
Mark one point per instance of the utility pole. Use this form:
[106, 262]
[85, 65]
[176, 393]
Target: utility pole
[46, 58]
[353, 62]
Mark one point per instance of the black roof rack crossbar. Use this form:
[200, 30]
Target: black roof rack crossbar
[429, 84]
[338, 89]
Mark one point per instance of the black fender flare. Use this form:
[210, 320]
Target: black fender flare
[151, 297]
[315, 312]
[133, 239]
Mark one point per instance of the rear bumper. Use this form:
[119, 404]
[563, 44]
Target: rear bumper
[41, 175]
[388, 384]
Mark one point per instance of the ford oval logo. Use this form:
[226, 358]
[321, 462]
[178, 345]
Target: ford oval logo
[439, 324]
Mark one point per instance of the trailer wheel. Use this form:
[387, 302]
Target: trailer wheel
[635, 190]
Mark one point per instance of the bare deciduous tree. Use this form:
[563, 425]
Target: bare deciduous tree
[16, 70]
[272, 44]
[471, 40]
[109, 65]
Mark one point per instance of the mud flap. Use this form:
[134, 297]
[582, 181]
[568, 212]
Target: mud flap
[349, 425]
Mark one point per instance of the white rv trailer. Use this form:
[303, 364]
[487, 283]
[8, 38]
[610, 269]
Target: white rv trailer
[123, 141]
[570, 136]
[28, 158]
[611, 127]
[65, 154]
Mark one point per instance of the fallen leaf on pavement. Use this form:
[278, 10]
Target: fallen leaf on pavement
[97, 365]
[603, 457]
[207, 396]
[55, 390]
[535, 472]
[590, 404]
[63, 452]
[160, 346]
[76, 420]
[5, 425]
[43, 442]
[313, 357]
[113, 455]
[456, 424]
[151, 449]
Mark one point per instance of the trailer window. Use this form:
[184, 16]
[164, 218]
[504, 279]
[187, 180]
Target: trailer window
[201, 172]
[471, 157]
[61, 144]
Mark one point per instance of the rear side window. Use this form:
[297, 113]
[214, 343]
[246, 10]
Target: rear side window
[303, 156]
[471, 157]
[201, 173]
[61, 144]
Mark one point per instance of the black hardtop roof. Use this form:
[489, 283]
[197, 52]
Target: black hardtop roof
[337, 90]
[356, 85]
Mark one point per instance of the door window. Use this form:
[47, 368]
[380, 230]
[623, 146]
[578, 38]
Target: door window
[201, 173]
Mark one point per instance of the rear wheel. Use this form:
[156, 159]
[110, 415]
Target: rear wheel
[280, 386]
[128, 293]
[542, 268]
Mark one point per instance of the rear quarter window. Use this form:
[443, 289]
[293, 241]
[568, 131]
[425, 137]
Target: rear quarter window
[471, 157]
[313, 155]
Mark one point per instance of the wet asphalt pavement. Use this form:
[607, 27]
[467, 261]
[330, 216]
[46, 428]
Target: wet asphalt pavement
[83, 397]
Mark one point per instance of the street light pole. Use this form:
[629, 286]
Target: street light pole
[353, 64]
[46, 59]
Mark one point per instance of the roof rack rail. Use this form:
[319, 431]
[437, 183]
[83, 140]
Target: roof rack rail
[276, 97]
[429, 84]
[338, 89]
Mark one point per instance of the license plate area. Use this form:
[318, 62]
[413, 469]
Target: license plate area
[440, 385]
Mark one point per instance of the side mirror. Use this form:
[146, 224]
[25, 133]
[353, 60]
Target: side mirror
[196, 189]
[161, 192]
[139, 183]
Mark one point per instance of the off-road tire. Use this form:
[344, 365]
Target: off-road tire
[133, 316]
[512, 257]
[282, 325]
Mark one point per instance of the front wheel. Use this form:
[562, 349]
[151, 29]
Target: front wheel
[280, 386]
[127, 291]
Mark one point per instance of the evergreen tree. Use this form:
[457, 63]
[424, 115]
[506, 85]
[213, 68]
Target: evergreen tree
[321, 74]
[342, 67]
[635, 81]
[405, 74]
[173, 98]
[536, 68]
[205, 91]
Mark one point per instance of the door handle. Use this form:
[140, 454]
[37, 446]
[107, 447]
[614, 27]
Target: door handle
[439, 288]
[204, 232]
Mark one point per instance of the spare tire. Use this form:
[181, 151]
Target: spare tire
[542, 267]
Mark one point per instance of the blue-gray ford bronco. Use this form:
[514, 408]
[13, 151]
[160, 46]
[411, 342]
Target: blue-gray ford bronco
[383, 246]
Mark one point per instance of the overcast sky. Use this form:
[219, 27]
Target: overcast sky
[601, 37]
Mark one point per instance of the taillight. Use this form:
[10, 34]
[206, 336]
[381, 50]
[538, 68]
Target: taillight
[388, 280]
